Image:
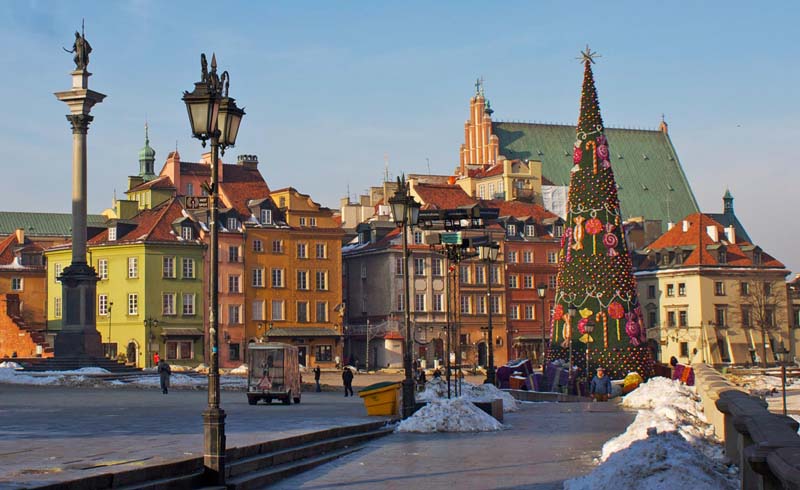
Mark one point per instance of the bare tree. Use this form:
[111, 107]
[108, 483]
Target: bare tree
[763, 301]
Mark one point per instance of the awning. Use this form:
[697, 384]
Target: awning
[181, 332]
[302, 332]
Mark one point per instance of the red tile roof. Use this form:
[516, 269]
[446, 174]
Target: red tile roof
[239, 184]
[10, 243]
[442, 196]
[150, 225]
[520, 209]
[162, 182]
[480, 173]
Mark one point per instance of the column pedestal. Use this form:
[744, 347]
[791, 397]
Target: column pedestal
[78, 336]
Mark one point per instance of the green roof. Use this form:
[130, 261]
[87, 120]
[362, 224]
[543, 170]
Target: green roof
[43, 224]
[646, 167]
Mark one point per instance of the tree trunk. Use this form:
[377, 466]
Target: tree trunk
[763, 346]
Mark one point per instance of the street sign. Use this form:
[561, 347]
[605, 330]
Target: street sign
[195, 202]
[451, 238]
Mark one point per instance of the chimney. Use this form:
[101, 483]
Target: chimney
[712, 233]
[670, 225]
[20, 232]
[730, 234]
[685, 226]
[247, 161]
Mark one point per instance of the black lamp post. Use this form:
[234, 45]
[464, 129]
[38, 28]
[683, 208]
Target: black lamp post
[573, 313]
[213, 116]
[406, 214]
[149, 323]
[110, 305]
[488, 254]
[589, 327]
[783, 357]
[541, 290]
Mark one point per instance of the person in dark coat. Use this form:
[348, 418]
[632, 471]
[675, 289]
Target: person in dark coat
[317, 373]
[600, 388]
[164, 372]
[422, 378]
[347, 378]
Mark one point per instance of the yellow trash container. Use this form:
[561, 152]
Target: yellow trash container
[381, 398]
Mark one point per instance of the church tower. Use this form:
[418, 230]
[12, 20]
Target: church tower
[147, 158]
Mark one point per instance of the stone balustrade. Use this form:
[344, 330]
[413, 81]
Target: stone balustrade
[765, 446]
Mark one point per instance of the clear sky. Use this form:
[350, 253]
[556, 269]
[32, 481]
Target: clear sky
[331, 87]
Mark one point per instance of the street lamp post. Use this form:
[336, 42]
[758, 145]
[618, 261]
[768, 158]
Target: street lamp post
[589, 327]
[406, 214]
[213, 116]
[149, 323]
[110, 304]
[573, 313]
[783, 357]
[488, 254]
[541, 290]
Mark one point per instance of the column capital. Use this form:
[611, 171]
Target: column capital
[80, 122]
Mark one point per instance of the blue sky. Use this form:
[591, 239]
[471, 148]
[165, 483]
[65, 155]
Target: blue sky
[332, 87]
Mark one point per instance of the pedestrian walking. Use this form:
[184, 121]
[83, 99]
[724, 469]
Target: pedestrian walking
[164, 372]
[422, 378]
[600, 388]
[347, 379]
[317, 373]
[156, 358]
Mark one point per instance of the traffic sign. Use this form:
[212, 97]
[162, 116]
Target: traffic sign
[195, 202]
[452, 238]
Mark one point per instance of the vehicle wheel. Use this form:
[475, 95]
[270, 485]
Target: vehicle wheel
[252, 400]
[268, 400]
[288, 399]
[297, 399]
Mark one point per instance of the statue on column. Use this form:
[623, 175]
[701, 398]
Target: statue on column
[81, 48]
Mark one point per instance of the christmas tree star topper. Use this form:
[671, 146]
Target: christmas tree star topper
[588, 55]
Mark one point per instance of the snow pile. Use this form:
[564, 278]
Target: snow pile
[661, 462]
[488, 392]
[669, 445]
[202, 369]
[453, 415]
[434, 389]
[240, 370]
[14, 377]
[9, 365]
[758, 385]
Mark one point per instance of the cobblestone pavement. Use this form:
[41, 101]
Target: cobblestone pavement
[545, 444]
[59, 433]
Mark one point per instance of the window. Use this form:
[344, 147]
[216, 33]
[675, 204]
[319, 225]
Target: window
[670, 290]
[258, 310]
[233, 254]
[179, 349]
[530, 230]
[552, 257]
[321, 280]
[417, 238]
[112, 234]
[282, 202]
[465, 305]
[651, 291]
[400, 303]
[302, 280]
[436, 267]
[682, 318]
[527, 257]
[258, 278]
[767, 289]
[681, 289]
[234, 283]
[720, 314]
[463, 274]
[102, 305]
[188, 268]
[513, 312]
[747, 316]
[312, 222]
[684, 346]
[511, 230]
[322, 251]
[558, 230]
[719, 288]
[277, 278]
[552, 282]
[16, 284]
[168, 267]
[322, 311]
[652, 318]
[670, 318]
[494, 304]
[480, 278]
[168, 304]
[419, 266]
[234, 314]
[398, 266]
[723, 256]
[57, 307]
[527, 281]
[189, 189]
[102, 269]
[187, 233]
[438, 304]
[277, 309]
[512, 257]
[769, 317]
[302, 311]
[133, 267]
[323, 353]
[302, 252]
[481, 305]
[258, 246]
[57, 268]
[234, 352]
[133, 304]
[277, 246]
[529, 312]
[188, 304]
[494, 273]
[512, 282]
[744, 288]
[419, 302]
[266, 216]
[233, 224]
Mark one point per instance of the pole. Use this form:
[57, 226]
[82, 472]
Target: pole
[366, 358]
[449, 325]
[544, 326]
[569, 337]
[783, 380]
[110, 304]
[214, 416]
[489, 370]
[408, 383]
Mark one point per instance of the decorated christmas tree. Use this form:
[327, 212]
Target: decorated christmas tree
[595, 279]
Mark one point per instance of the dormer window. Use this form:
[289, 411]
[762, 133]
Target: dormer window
[530, 230]
[722, 256]
[233, 224]
[266, 216]
[187, 233]
[312, 222]
[189, 189]
[302, 221]
[756, 257]
[112, 234]
[511, 230]
[558, 231]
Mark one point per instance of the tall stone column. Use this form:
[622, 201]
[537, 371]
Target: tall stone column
[79, 336]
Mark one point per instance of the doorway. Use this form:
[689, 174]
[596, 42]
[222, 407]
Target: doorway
[130, 353]
[301, 355]
[482, 354]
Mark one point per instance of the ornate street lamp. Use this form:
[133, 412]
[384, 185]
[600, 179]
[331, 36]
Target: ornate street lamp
[589, 327]
[406, 214]
[488, 254]
[149, 323]
[541, 290]
[783, 357]
[573, 313]
[214, 116]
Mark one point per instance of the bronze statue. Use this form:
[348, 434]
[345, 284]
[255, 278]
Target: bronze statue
[81, 48]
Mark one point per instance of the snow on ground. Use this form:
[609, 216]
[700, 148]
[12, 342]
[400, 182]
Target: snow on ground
[9, 365]
[449, 415]
[436, 389]
[759, 385]
[240, 370]
[669, 445]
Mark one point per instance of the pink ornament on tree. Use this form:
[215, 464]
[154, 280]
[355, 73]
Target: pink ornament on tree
[616, 311]
[577, 155]
[610, 240]
[633, 329]
[593, 227]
